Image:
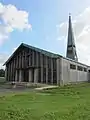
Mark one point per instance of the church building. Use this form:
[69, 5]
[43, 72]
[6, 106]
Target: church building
[35, 65]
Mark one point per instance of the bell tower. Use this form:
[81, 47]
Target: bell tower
[71, 48]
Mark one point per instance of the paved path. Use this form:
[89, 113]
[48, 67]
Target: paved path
[46, 87]
[14, 90]
[5, 89]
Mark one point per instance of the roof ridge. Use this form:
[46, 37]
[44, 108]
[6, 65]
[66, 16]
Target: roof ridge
[45, 52]
[40, 49]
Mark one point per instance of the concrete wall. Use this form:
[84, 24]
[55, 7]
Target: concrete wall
[73, 75]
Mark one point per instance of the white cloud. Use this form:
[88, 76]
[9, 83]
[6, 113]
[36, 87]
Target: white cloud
[15, 18]
[61, 38]
[81, 28]
[10, 19]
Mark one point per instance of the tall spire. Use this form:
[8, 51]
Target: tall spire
[71, 48]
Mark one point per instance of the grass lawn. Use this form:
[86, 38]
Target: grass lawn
[2, 79]
[64, 103]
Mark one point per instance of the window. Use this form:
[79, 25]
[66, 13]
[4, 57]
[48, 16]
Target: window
[72, 66]
[85, 69]
[79, 68]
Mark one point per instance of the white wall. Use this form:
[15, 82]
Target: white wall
[82, 76]
[65, 71]
[71, 75]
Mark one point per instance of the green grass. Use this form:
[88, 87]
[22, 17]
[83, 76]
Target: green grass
[64, 103]
[2, 79]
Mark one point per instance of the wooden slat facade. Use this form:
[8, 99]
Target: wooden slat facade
[25, 62]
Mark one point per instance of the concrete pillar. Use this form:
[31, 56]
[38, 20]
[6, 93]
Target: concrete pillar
[46, 70]
[58, 71]
[41, 57]
[13, 70]
[37, 59]
[30, 75]
[22, 59]
[41, 74]
[36, 75]
[6, 74]
[10, 72]
[16, 76]
[33, 58]
[20, 75]
[17, 62]
[61, 72]
[51, 71]
[29, 59]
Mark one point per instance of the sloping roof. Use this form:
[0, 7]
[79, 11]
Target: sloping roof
[49, 54]
[75, 61]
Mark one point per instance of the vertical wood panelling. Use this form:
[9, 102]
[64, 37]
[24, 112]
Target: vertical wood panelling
[33, 52]
[58, 71]
[46, 70]
[6, 73]
[51, 71]
[41, 60]
[11, 70]
[14, 69]
[30, 58]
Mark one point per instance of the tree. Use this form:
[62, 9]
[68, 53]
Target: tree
[2, 73]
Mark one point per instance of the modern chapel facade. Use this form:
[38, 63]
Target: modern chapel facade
[32, 64]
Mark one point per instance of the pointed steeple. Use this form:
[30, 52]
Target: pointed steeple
[71, 48]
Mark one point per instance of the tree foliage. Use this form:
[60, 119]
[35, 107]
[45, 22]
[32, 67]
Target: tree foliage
[2, 73]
